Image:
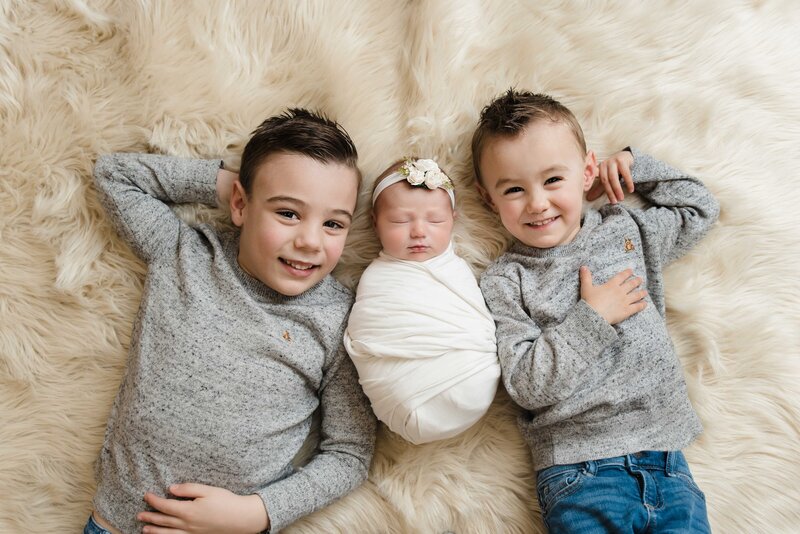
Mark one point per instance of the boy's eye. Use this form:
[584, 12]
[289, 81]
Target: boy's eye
[510, 190]
[552, 180]
[288, 214]
[336, 225]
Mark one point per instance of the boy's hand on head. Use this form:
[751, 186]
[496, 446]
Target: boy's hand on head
[608, 181]
[209, 510]
[225, 181]
[617, 299]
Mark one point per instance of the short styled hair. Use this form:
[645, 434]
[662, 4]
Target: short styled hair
[509, 114]
[297, 131]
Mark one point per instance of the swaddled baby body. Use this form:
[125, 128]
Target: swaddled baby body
[419, 333]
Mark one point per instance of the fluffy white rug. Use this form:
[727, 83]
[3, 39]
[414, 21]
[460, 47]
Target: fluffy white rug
[711, 87]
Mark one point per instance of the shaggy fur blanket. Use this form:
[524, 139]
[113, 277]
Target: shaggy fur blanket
[710, 87]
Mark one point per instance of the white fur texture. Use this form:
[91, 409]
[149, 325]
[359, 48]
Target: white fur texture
[711, 87]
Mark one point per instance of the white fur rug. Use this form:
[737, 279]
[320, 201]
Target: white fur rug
[711, 87]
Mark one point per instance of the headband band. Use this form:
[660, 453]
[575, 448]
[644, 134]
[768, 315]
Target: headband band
[418, 173]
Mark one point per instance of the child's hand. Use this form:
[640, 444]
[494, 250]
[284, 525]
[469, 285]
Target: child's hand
[611, 169]
[225, 181]
[210, 510]
[617, 299]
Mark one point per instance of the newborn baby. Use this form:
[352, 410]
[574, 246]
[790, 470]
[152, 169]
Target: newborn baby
[419, 332]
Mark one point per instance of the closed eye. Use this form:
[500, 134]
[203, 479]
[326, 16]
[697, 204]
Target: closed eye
[510, 190]
[553, 180]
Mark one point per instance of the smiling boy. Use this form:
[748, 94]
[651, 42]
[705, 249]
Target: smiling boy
[605, 407]
[238, 339]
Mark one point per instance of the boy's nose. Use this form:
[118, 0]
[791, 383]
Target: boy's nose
[537, 204]
[308, 238]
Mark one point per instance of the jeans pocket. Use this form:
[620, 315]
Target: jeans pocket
[690, 484]
[556, 483]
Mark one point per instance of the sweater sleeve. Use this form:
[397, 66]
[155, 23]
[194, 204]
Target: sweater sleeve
[344, 454]
[541, 367]
[135, 190]
[681, 208]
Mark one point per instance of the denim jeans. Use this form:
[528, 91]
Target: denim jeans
[93, 528]
[649, 491]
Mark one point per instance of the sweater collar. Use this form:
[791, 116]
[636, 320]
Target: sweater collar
[591, 218]
[256, 287]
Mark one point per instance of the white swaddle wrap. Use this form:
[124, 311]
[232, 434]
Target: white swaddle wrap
[423, 343]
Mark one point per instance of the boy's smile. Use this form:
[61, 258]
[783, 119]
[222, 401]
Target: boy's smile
[535, 181]
[295, 222]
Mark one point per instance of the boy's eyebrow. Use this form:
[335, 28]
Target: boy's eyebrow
[556, 167]
[301, 204]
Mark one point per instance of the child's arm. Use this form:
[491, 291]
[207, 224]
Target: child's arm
[340, 465]
[135, 190]
[542, 367]
[344, 453]
[682, 208]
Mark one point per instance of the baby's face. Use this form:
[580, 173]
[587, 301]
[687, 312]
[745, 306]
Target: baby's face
[413, 223]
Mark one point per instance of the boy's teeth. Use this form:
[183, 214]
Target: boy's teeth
[298, 266]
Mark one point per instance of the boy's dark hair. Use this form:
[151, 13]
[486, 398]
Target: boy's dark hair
[511, 112]
[297, 131]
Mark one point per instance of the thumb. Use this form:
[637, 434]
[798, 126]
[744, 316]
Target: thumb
[586, 277]
[189, 490]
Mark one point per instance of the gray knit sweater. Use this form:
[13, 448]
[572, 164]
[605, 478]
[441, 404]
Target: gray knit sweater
[590, 390]
[223, 372]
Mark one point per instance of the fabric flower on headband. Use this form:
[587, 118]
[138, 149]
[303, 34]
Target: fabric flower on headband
[420, 172]
[427, 172]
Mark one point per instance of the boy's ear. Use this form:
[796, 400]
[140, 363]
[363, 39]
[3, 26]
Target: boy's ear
[487, 198]
[238, 203]
[589, 170]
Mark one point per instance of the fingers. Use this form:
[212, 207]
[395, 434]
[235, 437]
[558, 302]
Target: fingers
[585, 277]
[613, 180]
[620, 278]
[190, 490]
[604, 179]
[632, 283]
[171, 507]
[637, 297]
[161, 520]
[150, 529]
[626, 175]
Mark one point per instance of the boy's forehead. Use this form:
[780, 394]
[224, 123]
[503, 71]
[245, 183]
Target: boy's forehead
[280, 166]
[539, 135]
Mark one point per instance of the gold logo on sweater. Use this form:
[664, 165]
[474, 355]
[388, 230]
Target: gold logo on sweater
[628, 245]
[286, 336]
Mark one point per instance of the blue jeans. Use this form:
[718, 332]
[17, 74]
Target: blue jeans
[93, 528]
[649, 491]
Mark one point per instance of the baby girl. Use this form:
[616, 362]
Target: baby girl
[419, 332]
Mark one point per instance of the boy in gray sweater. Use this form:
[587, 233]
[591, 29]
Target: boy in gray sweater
[583, 346]
[238, 339]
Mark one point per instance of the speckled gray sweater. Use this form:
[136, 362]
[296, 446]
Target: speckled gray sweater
[223, 372]
[590, 390]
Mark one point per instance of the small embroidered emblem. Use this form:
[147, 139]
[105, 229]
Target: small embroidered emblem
[628, 245]
[286, 336]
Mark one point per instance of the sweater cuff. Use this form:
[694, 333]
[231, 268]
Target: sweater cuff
[281, 507]
[205, 171]
[587, 332]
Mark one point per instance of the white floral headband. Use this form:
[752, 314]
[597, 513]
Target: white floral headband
[418, 172]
